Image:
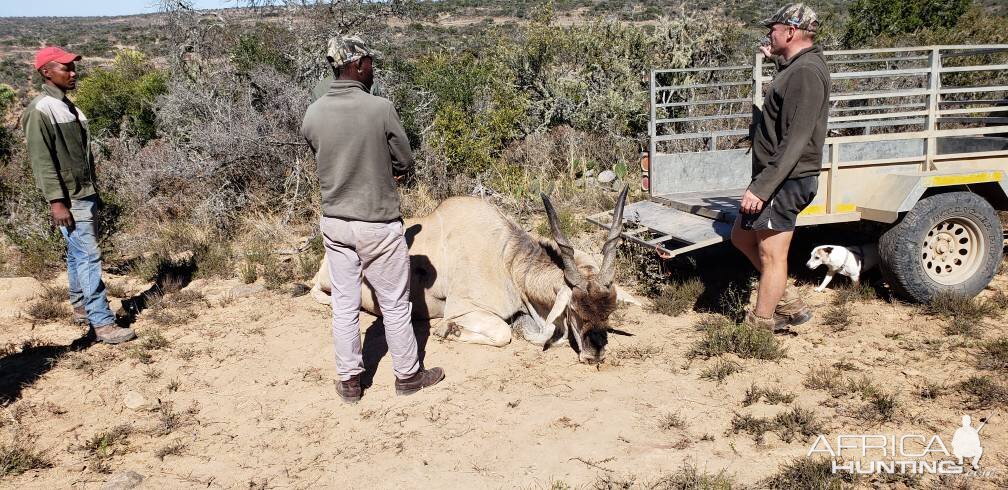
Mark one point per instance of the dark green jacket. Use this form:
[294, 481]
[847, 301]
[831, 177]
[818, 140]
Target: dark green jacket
[59, 146]
[359, 144]
[789, 132]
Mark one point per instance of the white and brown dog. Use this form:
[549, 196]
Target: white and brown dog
[847, 261]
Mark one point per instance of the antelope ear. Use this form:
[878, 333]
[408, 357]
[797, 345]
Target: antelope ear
[559, 333]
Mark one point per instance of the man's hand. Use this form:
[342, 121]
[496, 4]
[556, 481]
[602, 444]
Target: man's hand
[61, 215]
[750, 203]
[765, 49]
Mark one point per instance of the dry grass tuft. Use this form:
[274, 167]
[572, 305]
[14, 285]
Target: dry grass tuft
[964, 314]
[985, 392]
[838, 317]
[787, 425]
[686, 478]
[671, 420]
[47, 310]
[118, 290]
[677, 298]
[994, 355]
[20, 456]
[174, 448]
[103, 446]
[854, 293]
[882, 407]
[55, 294]
[772, 396]
[721, 370]
[931, 390]
[724, 337]
[807, 474]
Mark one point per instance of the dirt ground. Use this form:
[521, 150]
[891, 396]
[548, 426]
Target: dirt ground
[233, 388]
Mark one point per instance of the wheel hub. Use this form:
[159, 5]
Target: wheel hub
[952, 251]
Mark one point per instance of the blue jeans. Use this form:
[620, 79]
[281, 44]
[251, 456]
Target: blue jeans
[84, 264]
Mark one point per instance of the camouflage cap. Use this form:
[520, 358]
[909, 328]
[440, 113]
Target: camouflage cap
[347, 49]
[798, 15]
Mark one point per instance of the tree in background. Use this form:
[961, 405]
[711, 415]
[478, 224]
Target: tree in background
[870, 18]
[7, 99]
[122, 97]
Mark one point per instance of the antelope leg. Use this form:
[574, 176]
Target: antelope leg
[480, 327]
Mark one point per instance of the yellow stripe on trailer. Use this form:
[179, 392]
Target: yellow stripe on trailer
[963, 179]
[819, 209]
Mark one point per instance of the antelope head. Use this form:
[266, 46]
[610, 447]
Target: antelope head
[589, 298]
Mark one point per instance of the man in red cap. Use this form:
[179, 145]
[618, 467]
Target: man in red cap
[61, 161]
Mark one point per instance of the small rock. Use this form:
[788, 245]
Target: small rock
[606, 176]
[911, 372]
[299, 290]
[247, 290]
[133, 400]
[123, 481]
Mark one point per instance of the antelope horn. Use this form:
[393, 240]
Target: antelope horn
[571, 272]
[609, 249]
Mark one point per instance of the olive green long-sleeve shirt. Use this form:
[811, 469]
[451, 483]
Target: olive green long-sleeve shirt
[59, 146]
[359, 145]
[788, 134]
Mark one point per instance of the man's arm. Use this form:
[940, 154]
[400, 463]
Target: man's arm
[399, 146]
[803, 97]
[39, 137]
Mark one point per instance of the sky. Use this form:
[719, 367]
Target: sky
[35, 8]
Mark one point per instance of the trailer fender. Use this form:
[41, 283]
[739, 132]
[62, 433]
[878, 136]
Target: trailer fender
[898, 193]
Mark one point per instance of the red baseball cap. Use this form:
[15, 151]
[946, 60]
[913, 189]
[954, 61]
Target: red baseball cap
[54, 53]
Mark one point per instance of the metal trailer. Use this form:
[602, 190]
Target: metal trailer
[917, 143]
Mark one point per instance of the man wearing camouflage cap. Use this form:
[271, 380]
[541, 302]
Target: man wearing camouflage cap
[788, 133]
[359, 146]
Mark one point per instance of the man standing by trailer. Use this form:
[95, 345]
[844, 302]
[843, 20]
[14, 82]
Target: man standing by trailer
[359, 146]
[59, 147]
[787, 149]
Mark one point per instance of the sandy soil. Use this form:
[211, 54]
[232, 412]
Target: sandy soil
[241, 395]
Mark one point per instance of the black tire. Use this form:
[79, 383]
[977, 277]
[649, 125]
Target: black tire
[902, 248]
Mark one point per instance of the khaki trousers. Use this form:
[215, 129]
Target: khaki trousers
[379, 252]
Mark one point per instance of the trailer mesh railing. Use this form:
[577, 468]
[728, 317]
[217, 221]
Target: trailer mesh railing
[888, 91]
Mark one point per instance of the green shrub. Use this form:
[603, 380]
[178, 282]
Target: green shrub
[869, 19]
[7, 139]
[125, 92]
[746, 342]
[265, 44]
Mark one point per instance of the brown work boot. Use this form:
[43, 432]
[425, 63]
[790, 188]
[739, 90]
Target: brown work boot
[80, 315]
[792, 308]
[420, 380]
[114, 334]
[777, 324]
[350, 390]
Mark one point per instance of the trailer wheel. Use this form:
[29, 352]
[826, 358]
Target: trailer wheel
[948, 242]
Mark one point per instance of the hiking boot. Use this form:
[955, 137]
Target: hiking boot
[420, 380]
[777, 324]
[114, 334]
[350, 390]
[80, 315]
[792, 308]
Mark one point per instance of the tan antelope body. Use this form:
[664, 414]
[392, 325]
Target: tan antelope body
[477, 272]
